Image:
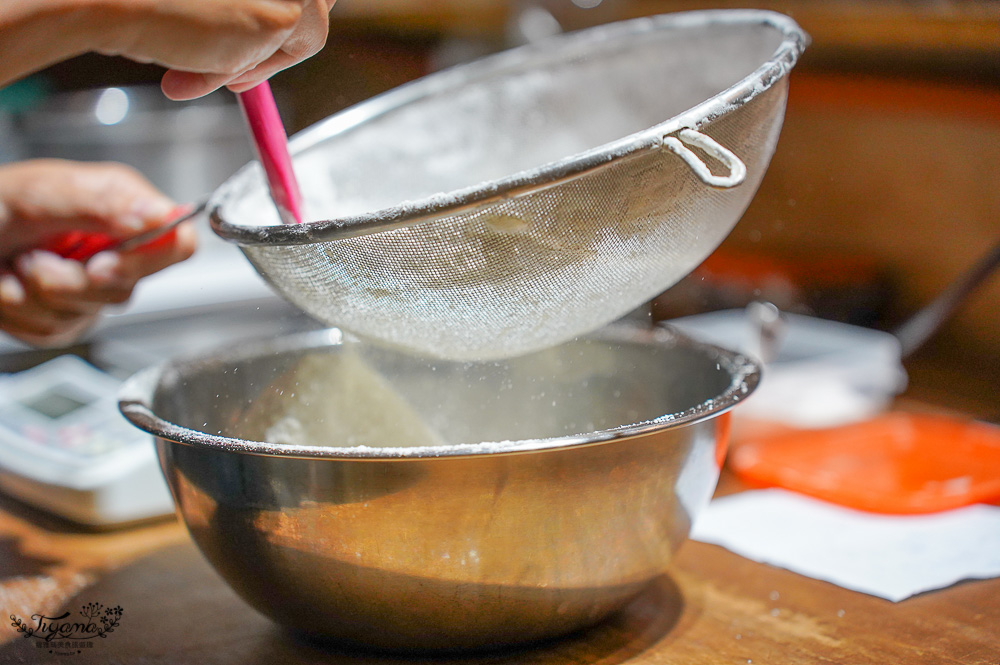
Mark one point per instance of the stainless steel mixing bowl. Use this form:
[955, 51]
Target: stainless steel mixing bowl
[569, 479]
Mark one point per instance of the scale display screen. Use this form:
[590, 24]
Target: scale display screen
[54, 403]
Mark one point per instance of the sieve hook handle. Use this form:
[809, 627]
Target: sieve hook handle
[737, 169]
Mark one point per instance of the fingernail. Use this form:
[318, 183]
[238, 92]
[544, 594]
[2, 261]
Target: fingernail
[11, 290]
[131, 222]
[51, 271]
[148, 210]
[181, 86]
[103, 267]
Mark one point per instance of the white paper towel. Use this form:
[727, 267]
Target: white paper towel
[890, 556]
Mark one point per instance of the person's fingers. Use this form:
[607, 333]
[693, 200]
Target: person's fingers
[48, 300]
[45, 272]
[308, 37]
[42, 334]
[37, 323]
[47, 197]
[63, 287]
[108, 278]
[262, 72]
[12, 292]
[182, 86]
[121, 270]
[220, 36]
[115, 198]
[45, 333]
[40, 319]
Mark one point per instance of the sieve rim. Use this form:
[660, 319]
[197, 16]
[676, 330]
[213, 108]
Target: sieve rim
[785, 56]
[137, 394]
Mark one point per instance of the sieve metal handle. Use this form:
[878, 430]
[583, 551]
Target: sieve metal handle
[737, 169]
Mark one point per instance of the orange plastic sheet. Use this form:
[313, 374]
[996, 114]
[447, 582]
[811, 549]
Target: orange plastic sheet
[900, 463]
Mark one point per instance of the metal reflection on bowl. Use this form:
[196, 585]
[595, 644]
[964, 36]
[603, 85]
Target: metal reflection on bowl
[568, 480]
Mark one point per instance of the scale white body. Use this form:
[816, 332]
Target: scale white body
[65, 448]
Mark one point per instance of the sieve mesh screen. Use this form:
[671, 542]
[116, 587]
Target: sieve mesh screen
[521, 249]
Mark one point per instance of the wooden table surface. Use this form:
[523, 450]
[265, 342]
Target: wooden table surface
[712, 607]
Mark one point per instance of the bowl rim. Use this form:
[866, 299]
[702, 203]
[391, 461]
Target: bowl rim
[137, 393]
[793, 43]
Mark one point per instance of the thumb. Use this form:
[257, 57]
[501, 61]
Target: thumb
[180, 85]
[45, 199]
[80, 245]
[113, 199]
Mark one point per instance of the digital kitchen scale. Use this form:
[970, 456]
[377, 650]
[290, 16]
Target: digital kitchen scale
[65, 448]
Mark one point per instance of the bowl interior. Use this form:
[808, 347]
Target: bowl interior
[309, 391]
[516, 112]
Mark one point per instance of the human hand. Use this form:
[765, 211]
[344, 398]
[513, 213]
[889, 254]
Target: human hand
[46, 300]
[207, 44]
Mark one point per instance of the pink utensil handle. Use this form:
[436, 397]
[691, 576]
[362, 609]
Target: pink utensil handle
[272, 148]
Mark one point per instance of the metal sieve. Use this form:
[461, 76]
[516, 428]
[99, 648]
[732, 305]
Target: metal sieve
[516, 202]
